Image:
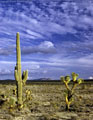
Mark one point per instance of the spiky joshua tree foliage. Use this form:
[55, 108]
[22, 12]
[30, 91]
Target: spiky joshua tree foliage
[20, 79]
[70, 91]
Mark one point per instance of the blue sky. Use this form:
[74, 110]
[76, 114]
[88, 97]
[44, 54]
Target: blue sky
[56, 37]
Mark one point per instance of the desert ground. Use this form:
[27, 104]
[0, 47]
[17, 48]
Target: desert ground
[48, 102]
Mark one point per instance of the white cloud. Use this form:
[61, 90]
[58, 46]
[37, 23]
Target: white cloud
[45, 47]
[90, 77]
[86, 60]
[46, 44]
[47, 23]
[5, 72]
[38, 35]
[7, 51]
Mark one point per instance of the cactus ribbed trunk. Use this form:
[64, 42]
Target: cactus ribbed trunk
[18, 65]
[20, 79]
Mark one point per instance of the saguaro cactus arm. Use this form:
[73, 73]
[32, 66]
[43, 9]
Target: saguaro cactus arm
[24, 76]
[16, 75]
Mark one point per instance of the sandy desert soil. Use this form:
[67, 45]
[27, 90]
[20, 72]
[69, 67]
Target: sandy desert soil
[48, 103]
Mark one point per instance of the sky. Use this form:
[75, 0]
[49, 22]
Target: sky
[56, 37]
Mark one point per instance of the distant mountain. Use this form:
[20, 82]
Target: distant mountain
[44, 79]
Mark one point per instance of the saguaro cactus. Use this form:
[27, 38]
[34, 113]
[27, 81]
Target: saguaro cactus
[20, 79]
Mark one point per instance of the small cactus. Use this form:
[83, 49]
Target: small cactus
[28, 95]
[20, 79]
[12, 102]
[70, 91]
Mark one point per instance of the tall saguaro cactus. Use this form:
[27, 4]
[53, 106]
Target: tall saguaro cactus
[20, 78]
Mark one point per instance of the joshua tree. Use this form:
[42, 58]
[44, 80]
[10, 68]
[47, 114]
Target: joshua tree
[70, 91]
[20, 79]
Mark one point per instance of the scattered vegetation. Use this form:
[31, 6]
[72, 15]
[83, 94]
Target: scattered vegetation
[50, 103]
